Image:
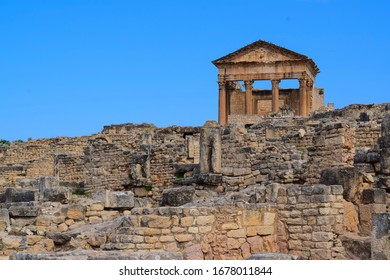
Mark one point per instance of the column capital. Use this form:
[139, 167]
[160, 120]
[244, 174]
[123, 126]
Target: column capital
[221, 83]
[309, 83]
[302, 81]
[275, 82]
[248, 84]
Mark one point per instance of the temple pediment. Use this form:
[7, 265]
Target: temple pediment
[260, 55]
[261, 52]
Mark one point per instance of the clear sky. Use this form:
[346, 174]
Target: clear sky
[68, 67]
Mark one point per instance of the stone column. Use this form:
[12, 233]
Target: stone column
[302, 97]
[222, 112]
[309, 94]
[248, 97]
[275, 95]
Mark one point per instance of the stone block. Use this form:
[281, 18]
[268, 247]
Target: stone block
[348, 177]
[356, 247]
[193, 252]
[229, 226]
[320, 254]
[233, 243]
[237, 233]
[187, 221]
[167, 238]
[380, 236]
[4, 217]
[322, 198]
[184, 237]
[47, 183]
[351, 219]
[178, 229]
[252, 217]
[371, 196]
[205, 229]
[325, 220]
[322, 236]
[177, 196]
[160, 222]
[12, 242]
[337, 189]
[109, 215]
[115, 199]
[76, 212]
[321, 189]
[193, 230]
[251, 231]
[205, 220]
[265, 230]
[269, 218]
[295, 221]
[256, 244]
[23, 211]
[56, 194]
[96, 207]
[20, 195]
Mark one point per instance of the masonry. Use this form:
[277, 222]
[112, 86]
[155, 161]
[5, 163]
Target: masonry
[303, 186]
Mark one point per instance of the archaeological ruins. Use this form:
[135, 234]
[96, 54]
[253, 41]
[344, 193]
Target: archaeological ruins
[279, 175]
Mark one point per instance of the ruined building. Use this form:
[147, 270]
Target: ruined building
[265, 61]
[311, 184]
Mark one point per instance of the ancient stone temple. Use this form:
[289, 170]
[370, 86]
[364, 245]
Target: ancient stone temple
[265, 61]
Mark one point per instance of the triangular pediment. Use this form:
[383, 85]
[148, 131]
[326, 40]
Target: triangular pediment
[262, 52]
[260, 55]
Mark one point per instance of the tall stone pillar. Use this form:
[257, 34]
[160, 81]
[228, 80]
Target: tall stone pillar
[302, 97]
[275, 95]
[309, 94]
[222, 110]
[248, 97]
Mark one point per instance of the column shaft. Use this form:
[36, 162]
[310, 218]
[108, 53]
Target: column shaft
[275, 95]
[222, 114]
[248, 97]
[302, 97]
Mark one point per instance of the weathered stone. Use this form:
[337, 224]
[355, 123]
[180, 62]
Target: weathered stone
[357, 247]
[272, 256]
[109, 215]
[167, 238]
[96, 207]
[237, 233]
[371, 196]
[322, 236]
[351, 219]
[205, 220]
[187, 221]
[177, 196]
[76, 212]
[23, 211]
[160, 222]
[115, 199]
[56, 194]
[380, 236]
[184, 237]
[348, 177]
[265, 230]
[98, 255]
[193, 252]
[15, 195]
[233, 243]
[4, 217]
[58, 238]
[12, 242]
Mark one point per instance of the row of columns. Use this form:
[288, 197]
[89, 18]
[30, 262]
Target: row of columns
[304, 98]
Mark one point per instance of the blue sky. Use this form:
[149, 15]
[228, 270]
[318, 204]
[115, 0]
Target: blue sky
[68, 67]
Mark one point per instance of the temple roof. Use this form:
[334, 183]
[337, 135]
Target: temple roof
[263, 52]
